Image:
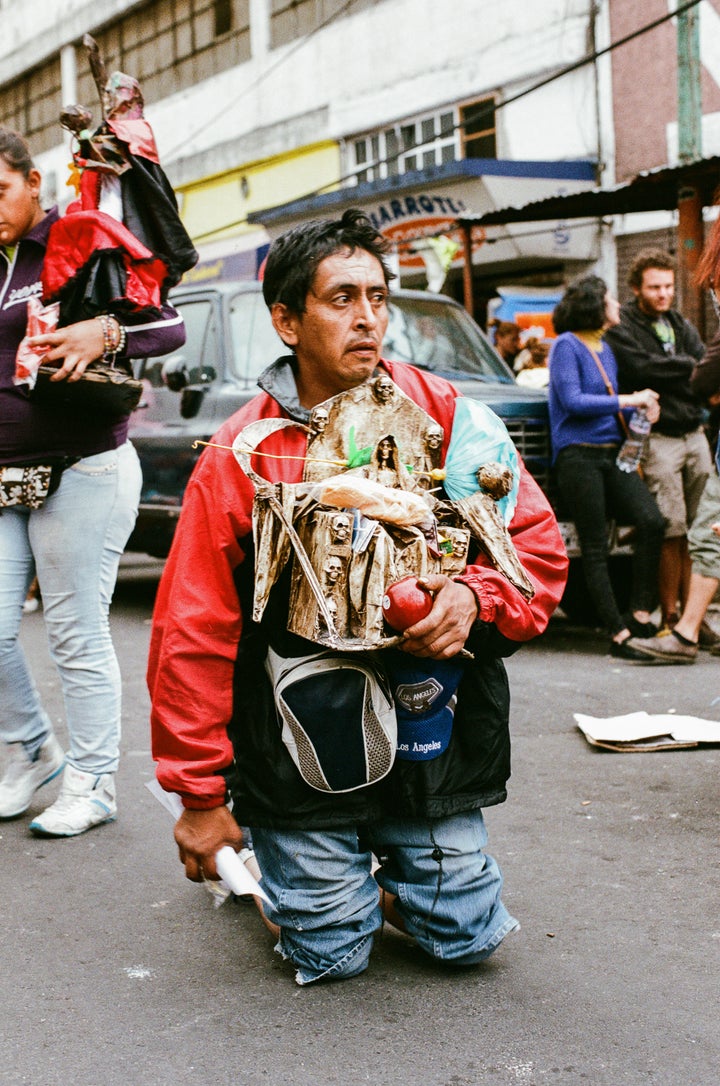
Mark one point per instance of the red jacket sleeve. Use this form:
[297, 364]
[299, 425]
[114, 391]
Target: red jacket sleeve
[196, 630]
[537, 540]
[197, 621]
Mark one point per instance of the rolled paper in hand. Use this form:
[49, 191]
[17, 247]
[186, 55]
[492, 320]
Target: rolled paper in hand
[235, 874]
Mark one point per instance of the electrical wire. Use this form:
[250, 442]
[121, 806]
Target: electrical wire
[263, 75]
[589, 58]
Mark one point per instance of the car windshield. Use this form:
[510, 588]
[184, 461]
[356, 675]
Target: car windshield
[255, 343]
[435, 335]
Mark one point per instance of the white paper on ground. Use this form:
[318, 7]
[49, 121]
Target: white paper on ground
[635, 726]
[232, 871]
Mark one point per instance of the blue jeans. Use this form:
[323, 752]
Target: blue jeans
[326, 900]
[73, 543]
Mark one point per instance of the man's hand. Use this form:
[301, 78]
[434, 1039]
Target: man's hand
[443, 633]
[200, 834]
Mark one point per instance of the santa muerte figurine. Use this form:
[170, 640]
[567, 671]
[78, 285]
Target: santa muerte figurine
[121, 246]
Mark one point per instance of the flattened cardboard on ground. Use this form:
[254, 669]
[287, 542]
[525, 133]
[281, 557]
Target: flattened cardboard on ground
[641, 731]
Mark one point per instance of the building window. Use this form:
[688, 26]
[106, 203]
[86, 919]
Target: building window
[419, 144]
[293, 19]
[31, 106]
[223, 17]
[477, 125]
[412, 145]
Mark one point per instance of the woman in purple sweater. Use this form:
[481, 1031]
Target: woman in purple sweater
[73, 540]
[586, 435]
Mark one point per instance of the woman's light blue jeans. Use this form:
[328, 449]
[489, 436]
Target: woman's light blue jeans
[73, 543]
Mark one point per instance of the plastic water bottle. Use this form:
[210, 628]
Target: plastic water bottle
[633, 447]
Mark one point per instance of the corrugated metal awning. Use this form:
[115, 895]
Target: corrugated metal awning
[651, 190]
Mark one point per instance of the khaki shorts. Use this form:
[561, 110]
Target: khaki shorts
[703, 543]
[676, 470]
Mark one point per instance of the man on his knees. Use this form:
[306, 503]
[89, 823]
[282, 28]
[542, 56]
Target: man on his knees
[304, 742]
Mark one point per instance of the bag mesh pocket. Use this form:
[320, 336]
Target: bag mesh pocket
[338, 719]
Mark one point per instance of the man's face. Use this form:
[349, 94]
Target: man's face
[337, 339]
[656, 291]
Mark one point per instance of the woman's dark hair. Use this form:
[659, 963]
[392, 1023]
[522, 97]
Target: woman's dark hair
[15, 152]
[582, 307]
[294, 258]
[503, 328]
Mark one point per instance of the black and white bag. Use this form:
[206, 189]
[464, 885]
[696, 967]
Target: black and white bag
[337, 716]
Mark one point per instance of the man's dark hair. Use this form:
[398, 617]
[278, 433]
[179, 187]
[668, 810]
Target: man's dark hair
[294, 258]
[649, 258]
[582, 307]
[15, 152]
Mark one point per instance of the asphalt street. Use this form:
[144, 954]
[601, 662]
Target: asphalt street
[116, 971]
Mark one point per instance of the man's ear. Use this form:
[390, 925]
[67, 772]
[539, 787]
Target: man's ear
[285, 323]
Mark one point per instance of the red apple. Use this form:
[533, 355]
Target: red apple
[405, 603]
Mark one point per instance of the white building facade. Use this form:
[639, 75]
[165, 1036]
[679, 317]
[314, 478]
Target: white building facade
[267, 111]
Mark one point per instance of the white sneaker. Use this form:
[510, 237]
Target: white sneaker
[23, 778]
[85, 800]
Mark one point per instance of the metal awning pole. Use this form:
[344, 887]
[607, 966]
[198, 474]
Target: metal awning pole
[690, 204]
[467, 269]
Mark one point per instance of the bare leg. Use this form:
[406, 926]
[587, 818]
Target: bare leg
[685, 573]
[390, 913]
[254, 869]
[670, 575]
[700, 596]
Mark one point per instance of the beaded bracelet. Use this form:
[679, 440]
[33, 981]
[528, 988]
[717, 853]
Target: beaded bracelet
[122, 339]
[114, 336]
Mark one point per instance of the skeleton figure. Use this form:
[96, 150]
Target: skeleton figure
[430, 459]
[318, 419]
[434, 438]
[383, 389]
[454, 561]
[332, 571]
[321, 626]
[385, 466]
[341, 529]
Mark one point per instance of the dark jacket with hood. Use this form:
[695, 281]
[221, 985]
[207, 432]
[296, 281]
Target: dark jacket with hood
[643, 362]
